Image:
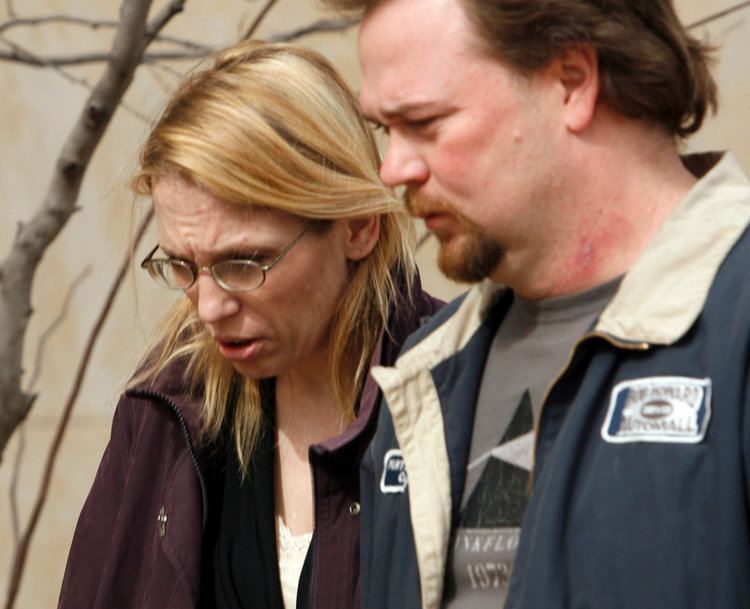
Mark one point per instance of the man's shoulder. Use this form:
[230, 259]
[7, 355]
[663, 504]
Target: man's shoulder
[433, 322]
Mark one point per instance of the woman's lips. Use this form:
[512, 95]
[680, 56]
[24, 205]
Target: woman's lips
[238, 350]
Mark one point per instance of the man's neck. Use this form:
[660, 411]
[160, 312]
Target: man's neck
[624, 181]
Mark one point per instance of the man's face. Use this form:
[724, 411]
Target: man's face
[470, 138]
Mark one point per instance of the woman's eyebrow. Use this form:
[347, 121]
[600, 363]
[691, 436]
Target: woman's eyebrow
[243, 249]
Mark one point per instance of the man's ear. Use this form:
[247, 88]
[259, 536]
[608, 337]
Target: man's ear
[361, 236]
[577, 71]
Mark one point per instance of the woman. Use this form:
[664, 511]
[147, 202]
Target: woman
[231, 477]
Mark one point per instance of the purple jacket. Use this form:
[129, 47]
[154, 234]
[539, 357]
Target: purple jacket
[138, 539]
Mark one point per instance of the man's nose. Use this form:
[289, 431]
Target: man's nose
[402, 165]
[213, 303]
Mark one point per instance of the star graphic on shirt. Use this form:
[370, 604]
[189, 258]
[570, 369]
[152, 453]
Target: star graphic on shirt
[501, 493]
[516, 447]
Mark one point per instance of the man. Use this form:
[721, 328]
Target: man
[539, 140]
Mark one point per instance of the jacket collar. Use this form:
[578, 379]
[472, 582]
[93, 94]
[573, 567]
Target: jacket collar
[452, 336]
[171, 383]
[663, 294]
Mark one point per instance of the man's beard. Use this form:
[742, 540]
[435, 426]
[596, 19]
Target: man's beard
[467, 254]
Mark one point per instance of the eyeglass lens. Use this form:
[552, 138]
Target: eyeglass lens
[230, 274]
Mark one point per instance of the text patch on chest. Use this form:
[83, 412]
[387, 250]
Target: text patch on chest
[659, 409]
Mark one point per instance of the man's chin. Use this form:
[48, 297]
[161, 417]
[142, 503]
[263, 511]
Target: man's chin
[470, 261]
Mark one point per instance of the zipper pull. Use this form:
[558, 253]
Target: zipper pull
[162, 520]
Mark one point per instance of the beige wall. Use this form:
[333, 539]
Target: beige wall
[37, 107]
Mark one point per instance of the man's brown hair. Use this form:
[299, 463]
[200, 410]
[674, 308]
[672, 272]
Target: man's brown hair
[650, 67]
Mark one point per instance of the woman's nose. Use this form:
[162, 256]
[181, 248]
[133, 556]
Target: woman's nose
[212, 302]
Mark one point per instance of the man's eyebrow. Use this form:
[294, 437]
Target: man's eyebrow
[398, 111]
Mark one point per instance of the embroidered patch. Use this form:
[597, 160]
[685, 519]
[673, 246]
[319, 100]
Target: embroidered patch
[659, 409]
[394, 478]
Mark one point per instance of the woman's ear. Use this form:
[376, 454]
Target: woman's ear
[361, 236]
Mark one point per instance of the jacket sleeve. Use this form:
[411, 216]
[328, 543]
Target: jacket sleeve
[745, 417]
[87, 560]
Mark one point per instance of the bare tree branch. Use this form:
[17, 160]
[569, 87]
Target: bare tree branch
[94, 25]
[9, 8]
[24, 544]
[719, 15]
[39, 61]
[323, 26]
[319, 27]
[259, 19]
[33, 245]
[31, 241]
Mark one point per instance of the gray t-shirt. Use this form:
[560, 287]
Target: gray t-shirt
[529, 350]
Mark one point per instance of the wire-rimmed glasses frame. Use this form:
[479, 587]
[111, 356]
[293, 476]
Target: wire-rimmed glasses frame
[165, 271]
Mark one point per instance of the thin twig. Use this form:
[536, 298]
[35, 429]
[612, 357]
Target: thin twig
[161, 82]
[13, 492]
[53, 326]
[10, 9]
[167, 70]
[322, 26]
[56, 19]
[39, 61]
[23, 546]
[94, 25]
[719, 15]
[27, 56]
[258, 19]
[159, 22]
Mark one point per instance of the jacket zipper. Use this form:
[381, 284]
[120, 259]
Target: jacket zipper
[620, 344]
[155, 395]
[313, 560]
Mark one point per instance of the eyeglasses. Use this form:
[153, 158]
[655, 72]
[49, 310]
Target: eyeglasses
[235, 275]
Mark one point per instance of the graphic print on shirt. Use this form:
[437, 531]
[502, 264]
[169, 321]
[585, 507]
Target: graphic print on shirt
[487, 538]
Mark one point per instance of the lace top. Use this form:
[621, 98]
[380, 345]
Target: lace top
[292, 550]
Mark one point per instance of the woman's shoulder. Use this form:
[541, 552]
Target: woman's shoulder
[169, 391]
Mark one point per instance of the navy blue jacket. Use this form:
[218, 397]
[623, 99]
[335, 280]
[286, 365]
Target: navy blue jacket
[641, 489]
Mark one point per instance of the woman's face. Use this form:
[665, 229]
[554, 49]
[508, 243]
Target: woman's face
[283, 326]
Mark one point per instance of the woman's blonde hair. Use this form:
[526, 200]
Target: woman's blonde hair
[274, 126]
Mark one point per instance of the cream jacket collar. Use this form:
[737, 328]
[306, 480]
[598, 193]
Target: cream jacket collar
[660, 298]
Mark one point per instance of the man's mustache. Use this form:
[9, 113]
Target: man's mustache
[418, 204]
